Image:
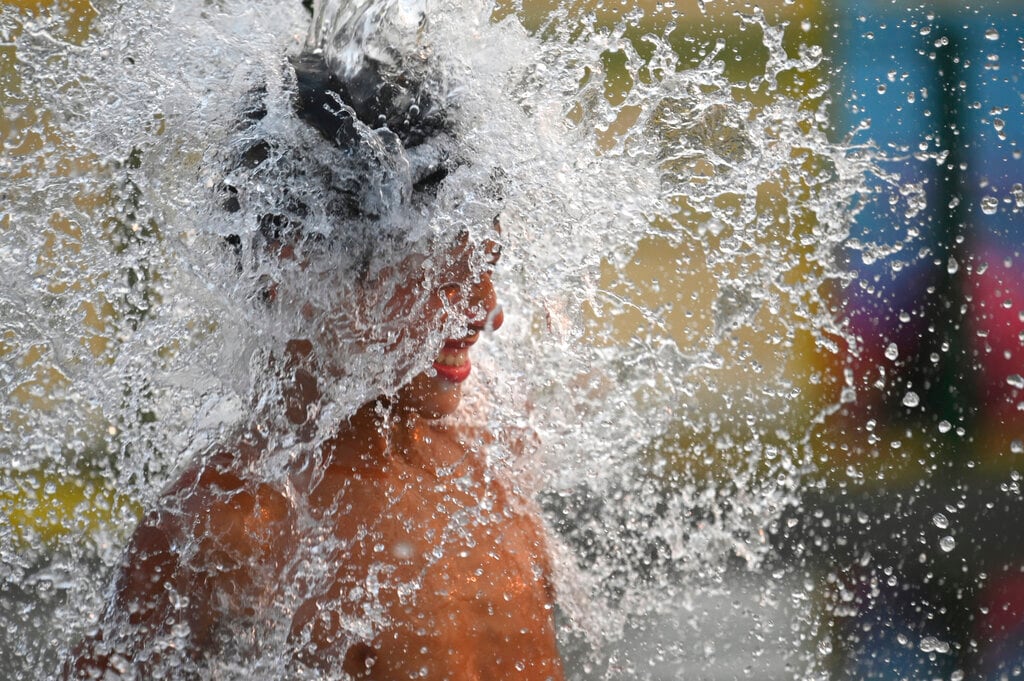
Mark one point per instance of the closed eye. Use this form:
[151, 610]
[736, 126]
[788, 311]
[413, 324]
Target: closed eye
[492, 251]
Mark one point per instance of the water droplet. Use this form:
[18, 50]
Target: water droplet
[911, 399]
[945, 426]
[1016, 381]
[947, 543]
[824, 646]
[882, 88]
[992, 34]
[989, 205]
[892, 351]
[930, 644]
[1017, 447]
[940, 521]
[952, 265]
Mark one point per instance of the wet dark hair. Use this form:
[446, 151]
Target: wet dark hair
[405, 114]
[404, 106]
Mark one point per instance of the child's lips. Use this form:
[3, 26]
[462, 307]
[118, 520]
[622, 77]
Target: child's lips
[452, 363]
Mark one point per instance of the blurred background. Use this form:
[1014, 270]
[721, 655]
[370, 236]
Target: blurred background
[902, 556]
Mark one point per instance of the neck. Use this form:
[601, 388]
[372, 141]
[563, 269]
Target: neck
[376, 433]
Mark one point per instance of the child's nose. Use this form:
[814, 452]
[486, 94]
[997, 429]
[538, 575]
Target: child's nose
[486, 312]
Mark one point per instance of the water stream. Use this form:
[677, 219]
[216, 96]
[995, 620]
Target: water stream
[671, 210]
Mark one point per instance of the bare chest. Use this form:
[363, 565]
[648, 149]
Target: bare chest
[436, 578]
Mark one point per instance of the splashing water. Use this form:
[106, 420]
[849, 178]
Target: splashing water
[669, 231]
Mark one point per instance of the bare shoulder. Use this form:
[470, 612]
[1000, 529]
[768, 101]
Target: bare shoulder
[222, 508]
[188, 565]
[207, 530]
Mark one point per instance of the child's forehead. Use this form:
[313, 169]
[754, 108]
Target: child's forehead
[466, 250]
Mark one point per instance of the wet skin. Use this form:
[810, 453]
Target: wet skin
[411, 532]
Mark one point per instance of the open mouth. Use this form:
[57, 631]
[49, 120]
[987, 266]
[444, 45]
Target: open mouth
[453, 364]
